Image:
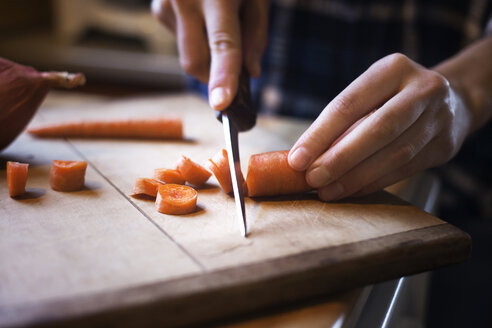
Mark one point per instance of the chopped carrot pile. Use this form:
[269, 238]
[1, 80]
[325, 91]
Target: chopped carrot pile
[146, 186]
[192, 172]
[16, 178]
[169, 176]
[219, 165]
[269, 174]
[67, 175]
[176, 199]
[156, 128]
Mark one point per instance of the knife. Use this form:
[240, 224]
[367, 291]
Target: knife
[238, 117]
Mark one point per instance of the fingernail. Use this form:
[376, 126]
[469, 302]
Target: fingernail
[331, 191]
[218, 97]
[299, 160]
[318, 177]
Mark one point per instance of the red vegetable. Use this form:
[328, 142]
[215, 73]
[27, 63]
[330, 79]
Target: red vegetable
[16, 178]
[176, 199]
[219, 165]
[192, 172]
[155, 128]
[169, 176]
[145, 186]
[269, 174]
[67, 175]
[22, 89]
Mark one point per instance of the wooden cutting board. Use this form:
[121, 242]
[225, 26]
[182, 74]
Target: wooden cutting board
[98, 256]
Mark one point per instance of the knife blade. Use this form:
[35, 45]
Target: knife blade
[232, 147]
[239, 116]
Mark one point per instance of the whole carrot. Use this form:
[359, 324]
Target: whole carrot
[269, 174]
[151, 128]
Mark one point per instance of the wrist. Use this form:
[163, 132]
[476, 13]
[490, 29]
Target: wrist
[462, 99]
[470, 76]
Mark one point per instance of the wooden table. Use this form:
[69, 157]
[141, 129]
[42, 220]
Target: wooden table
[100, 256]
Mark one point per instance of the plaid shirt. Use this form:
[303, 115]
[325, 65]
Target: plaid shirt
[317, 47]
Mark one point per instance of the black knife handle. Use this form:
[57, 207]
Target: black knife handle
[241, 111]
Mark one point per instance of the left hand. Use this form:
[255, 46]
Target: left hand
[395, 119]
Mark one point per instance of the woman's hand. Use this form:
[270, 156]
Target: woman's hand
[215, 38]
[395, 119]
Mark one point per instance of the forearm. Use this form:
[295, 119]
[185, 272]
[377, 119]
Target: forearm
[470, 74]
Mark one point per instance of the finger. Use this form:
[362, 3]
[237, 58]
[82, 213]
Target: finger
[374, 133]
[254, 33]
[388, 159]
[369, 91]
[164, 12]
[352, 128]
[192, 41]
[224, 40]
[425, 159]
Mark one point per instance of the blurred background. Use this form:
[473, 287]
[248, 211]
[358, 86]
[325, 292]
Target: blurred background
[118, 44]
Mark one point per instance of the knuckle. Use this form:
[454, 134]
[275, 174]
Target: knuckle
[434, 83]
[404, 154]
[335, 164]
[397, 61]
[223, 41]
[343, 106]
[387, 127]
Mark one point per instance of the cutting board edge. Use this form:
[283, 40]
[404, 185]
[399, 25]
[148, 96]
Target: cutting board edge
[198, 298]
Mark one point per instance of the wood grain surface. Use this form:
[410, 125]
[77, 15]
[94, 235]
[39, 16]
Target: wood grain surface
[98, 256]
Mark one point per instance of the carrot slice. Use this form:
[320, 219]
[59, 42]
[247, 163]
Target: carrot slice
[169, 176]
[157, 128]
[270, 174]
[192, 172]
[176, 199]
[16, 178]
[219, 165]
[146, 186]
[67, 175]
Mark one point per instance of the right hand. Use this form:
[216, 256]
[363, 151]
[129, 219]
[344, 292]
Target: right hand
[215, 38]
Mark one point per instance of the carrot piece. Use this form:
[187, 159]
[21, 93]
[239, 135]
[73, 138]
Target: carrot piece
[192, 172]
[269, 174]
[169, 176]
[176, 199]
[219, 165]
[146, 186]
[16, 178]
[156, 128]
[67, 175]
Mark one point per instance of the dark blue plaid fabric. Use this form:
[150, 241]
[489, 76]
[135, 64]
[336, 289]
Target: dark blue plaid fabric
[316, 47]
